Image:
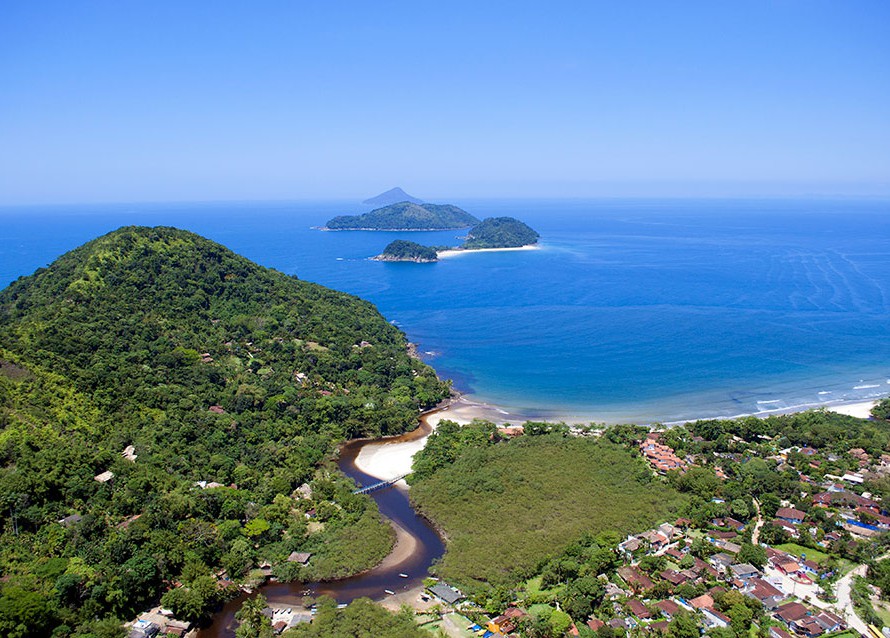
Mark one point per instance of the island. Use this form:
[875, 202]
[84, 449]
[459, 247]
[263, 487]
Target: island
[402, 250]
[392, 196]
[406, 216]
[500, 232]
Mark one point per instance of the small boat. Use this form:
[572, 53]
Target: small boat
[403, 575]
[390, 592]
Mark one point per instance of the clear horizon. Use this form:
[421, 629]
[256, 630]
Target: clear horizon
[167, 102]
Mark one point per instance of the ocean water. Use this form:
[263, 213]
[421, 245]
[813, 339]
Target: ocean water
[631, 310]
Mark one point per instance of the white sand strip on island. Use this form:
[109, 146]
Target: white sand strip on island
[454, 253]
[387, 460]
[861, 410]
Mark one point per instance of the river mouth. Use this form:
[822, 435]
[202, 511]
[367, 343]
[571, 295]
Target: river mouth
[417, 546]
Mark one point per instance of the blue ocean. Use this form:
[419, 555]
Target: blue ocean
[631, 310]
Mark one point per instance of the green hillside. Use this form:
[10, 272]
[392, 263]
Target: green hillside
[215, 370]
[507, 506]
[406, 216]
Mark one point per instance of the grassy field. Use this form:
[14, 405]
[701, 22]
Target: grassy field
[811, 554]
[506, 507]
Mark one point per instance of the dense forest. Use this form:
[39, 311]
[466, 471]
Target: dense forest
[168, 413]
[406, 216]
[508, 505]
[401, 250]
[500, 232]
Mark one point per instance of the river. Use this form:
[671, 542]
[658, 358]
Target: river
[417, 536]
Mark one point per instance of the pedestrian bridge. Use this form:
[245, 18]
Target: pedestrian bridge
[378, 486]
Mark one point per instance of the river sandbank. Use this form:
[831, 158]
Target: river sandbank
[386, 460]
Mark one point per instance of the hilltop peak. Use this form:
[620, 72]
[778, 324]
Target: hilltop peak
[392, 196]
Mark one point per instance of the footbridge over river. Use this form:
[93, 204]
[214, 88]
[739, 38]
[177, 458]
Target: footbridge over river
[379, 486]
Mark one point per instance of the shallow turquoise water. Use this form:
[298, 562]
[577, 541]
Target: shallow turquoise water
[642, 310]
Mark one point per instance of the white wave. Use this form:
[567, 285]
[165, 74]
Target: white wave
[865, 387]
[829, 391]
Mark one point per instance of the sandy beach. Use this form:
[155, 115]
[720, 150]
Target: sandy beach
[386, 460]
[442, 254]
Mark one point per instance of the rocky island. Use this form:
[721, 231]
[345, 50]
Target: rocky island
[406, 216]
[401, 250]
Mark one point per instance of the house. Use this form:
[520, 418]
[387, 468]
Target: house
[675, 553]
[787, 527]
[807, 627]
[299, 557]
[788, 567]
[618, 623]
[637, 580]
[104, 477]
[768, 595]
[144, 629]
[630, 545]
[705, 600]
[714, 618]
[656, 540]
[791, 515]
[507, 622]
[830, 622]
[668, 608]
[595, 623]
[446, 594]
[674, 577]
[778, 632]
[638, 609]
[727, 546]
[855, 479]
[660, 626]
[744, 571]
[721, 561]
[791, 612]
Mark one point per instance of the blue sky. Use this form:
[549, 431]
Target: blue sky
[154, 101]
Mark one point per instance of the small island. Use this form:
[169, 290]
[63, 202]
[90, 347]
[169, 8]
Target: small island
[392, 196]
[406, 216]
[401, 250]
[500, 232]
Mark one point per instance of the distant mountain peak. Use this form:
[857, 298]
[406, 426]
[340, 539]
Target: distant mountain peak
[392, 196]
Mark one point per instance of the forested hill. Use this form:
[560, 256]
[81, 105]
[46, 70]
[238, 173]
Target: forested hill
[406, 216]
[213, 369]
[501, 232]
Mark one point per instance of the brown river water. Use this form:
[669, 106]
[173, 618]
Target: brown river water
[393, 503]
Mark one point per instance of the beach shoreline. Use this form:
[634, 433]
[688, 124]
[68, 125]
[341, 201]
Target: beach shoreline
[386, 460]
[453, 252]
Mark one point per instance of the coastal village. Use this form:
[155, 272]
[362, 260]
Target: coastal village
[774, 570]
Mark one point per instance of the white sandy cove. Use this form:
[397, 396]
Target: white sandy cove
[388, 460]
[861, 410]
[455, 253]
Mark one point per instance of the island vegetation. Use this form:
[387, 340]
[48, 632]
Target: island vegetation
[168, 413]
[406, 216]
[500, 232]
[402, 250]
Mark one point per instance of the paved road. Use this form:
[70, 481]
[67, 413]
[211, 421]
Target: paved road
[845, 603]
